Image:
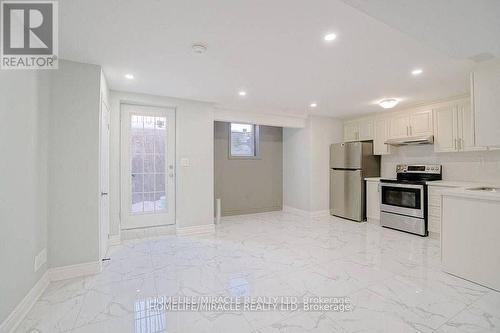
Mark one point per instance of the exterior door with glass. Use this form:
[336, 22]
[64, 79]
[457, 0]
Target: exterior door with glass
[147, 166]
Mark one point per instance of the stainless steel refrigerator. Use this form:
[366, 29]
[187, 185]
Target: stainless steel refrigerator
[350, 163]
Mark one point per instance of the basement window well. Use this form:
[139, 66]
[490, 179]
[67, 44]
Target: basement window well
[244, 140]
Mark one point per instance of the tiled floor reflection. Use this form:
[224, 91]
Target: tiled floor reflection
[393, 279]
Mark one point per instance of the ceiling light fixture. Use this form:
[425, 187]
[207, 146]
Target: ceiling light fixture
[388, 103]
[329, 37]
[129, 76]
[313, 105]
[242, 93]
[199, 48]
[417, 71]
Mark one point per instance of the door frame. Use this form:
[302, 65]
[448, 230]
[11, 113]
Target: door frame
[104, 247]
[123, 169]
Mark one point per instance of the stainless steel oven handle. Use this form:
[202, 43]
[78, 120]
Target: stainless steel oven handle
[401, 185]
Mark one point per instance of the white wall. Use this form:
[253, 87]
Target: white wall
[23, 217]
[467, 166]
[194, 140]
[73, 164]
[325, 131]
[279, 120]
[306, 157]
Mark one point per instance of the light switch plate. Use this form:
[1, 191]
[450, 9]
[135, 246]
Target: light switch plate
[185, 162]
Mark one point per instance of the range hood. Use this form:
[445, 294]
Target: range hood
[413, 140]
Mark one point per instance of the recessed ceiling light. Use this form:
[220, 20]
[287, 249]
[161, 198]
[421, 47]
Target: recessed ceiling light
[417, 71]
[329, 37]
[313, 105]
[242, 93]
[129, 76]
[388, 103]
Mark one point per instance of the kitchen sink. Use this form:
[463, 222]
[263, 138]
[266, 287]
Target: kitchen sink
[485, 189]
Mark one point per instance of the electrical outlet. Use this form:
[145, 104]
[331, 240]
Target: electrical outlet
[40, 259]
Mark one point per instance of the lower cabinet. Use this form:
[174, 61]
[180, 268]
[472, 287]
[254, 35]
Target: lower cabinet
[373, 200]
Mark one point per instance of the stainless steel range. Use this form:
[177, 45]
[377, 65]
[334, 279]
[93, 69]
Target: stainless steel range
[403, 202]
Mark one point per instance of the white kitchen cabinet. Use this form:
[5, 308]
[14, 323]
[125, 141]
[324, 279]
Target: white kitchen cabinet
[434, 208]
[470, 236]
[408, 124]
[421, 123]
[446, 125]
[466, 127]
[399, 126]
[373, 200]
[351, 131]
[485, 93]
[454, 124]
[359, 130]
[381, 134]
[366, 129]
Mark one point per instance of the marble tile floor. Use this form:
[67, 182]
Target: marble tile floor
[393, 280]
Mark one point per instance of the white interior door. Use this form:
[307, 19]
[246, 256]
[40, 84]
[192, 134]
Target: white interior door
[104, 181]
[147, 166]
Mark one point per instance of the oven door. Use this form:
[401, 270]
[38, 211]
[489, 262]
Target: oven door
[404, 199]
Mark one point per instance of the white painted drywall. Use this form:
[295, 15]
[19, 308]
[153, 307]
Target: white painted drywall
[306, 163]
[73, 164]
[324, 132]
[194, 140]
[23, 217]
[284, 120]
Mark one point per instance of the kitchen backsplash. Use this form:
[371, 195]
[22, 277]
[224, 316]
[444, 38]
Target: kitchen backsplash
[481, 166]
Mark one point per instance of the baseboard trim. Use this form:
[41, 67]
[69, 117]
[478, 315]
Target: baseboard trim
[320, 213]
[114, 240]
[195, 230]
[296, 211]
[73, 271]
[52, 274]
[306, 213]
[22, 309]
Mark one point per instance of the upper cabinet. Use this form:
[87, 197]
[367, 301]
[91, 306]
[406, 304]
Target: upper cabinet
[359, 130]
[421, 123]
[415, 123]
[381, 134]
[485, 93]
[454, 124]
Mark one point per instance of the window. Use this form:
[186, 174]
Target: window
[148, 164]
[244, 140]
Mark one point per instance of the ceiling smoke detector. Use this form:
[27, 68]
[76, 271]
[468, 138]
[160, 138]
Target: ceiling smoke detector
[199, 48]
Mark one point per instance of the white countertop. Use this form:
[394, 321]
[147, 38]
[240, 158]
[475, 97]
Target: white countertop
[466, 193]
[373, 179]
[453, 183]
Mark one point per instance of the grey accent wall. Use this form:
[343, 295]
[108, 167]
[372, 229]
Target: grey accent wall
[23, 216]
[247, 186]
[73, 164]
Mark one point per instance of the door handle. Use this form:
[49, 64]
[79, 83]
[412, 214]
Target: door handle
[104, 193]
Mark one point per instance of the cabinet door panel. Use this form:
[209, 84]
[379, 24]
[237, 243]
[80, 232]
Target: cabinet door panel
[365, 130]
[381, 135]
[421, 123]
[399, 125]
[445, 136]
[351, 132]
[372, 200]
[466, 128]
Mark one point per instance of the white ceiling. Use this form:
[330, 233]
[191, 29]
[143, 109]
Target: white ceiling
[272, 49]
